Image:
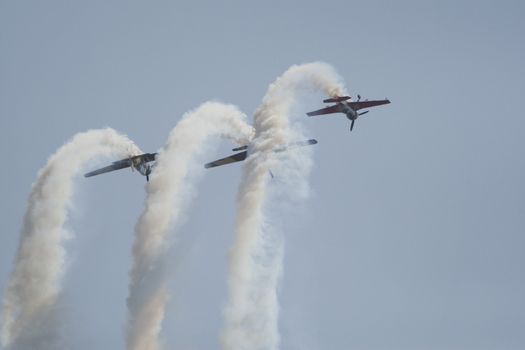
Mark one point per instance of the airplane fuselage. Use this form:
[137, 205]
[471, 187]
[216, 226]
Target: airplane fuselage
[143, 166]
[348, 111]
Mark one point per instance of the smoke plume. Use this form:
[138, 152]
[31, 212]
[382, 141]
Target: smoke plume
[34, 285]
[255, 262]
[168, 196]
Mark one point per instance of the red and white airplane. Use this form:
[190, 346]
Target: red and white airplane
[344, 105]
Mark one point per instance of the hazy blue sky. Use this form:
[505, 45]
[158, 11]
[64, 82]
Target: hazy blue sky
[413, 237]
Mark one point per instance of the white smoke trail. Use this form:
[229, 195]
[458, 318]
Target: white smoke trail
[35, 282]
[255, 263]
[168, 195]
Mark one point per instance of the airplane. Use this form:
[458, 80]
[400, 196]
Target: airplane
[344, 105]
[143, 163]
[238, 157]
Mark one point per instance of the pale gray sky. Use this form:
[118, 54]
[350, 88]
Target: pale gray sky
[414, 235]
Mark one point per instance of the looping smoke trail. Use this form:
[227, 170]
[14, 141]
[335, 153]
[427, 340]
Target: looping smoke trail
[168, 194]
[35, 282]
[256, 256]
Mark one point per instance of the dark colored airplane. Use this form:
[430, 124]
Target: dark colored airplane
[143, 163]
[343, 105]
[238, 157]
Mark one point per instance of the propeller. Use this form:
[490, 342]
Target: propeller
[352, 125]
[148, 172]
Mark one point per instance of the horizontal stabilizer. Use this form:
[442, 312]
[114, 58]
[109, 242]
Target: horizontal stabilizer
[296, 144]
[242, 148]
[336, 99]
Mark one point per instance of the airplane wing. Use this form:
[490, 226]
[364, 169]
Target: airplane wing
[120, 164]
[327, 110]
[366, 104]
[237, 157]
